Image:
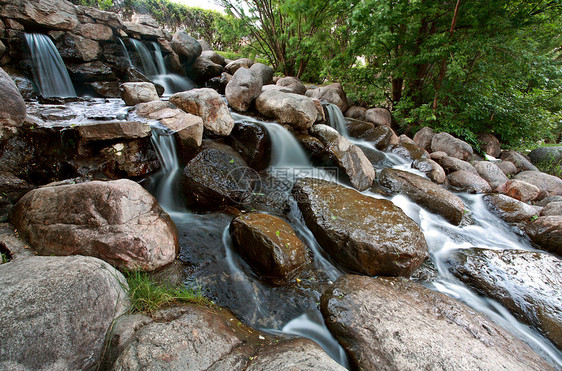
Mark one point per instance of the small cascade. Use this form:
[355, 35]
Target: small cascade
[159, 58]
[165, 145]
[146, 59]
[49, 71]
[336, 119]
[125, 51]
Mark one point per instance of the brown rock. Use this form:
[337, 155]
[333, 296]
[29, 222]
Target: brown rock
[12, 105]
[332, 93]
[546, 231]
[134, 93]
[96, 31]
[469, 182]
[552, 208]
[452, 164]
[520, 161]
[490, 144]
[549, 185]
[295, 110]
[189, 128]
[454, 147]
[519, 190]
[423, 138]
[432, 170]
[186, 47]
[379, 116]
[507, 167]
[233, 66]
[510, 209]
[54, 14]
[242, 89]
[491, 173]
[113, 130]
[356, 112]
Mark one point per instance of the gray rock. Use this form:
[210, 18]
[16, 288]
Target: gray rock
[205, 46]
[379, 116]
[252, 142]
[432, 169]
[490, 144]
[55, 311]
[549, 185]
[408, 151]
[293, 84]
[12, 105]
[233, 66]
[546, 231]
[295, 110]
[547, 156]
[332, 93]
[57, 14]
[547, 200]
[452, 164]
[552, 208]
[407, 140]
[242, 89]
[423, 138]
[356, 112]
[520, 161]
[189, 128]
[396, 324]
[491, 173]
[452, 146]
[203, 69]
[469, 182]
[134, 93]
[264, 72]
[186, 47]
[519, 190]
[511, 210]
[507, 167]
[213, 57]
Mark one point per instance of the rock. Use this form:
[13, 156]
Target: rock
[520, 161]
[332, 93]
[219, 83]
[406, 140]
[96, 31]
[359, 129]
[144, 30]
[189, 128]
[356, 112]
[270, 246]
[510, 277]
[469, 182]
[233, 66]
[549, 185]
[106, 89]
[491, 173]
[507, 167]
[423, 138]
[134, 93]
[490, 144]
[293, 84]
[363, 234]
[213, 57]
[186, 47]
[452, 164]
[396, 324]
[55, 311]
[552, 208]
[547, 156]
[546, 231]
[205, 45]
[452, 146]
[25, 86]
[546, 201]
[348, 156]
[12, 189]
[409, 151]
[78, 48]
[423, 192]
[510, 209]
[207, 104]
[263, 72]
[519, 190]
[383, 137]
[12, 105]
[379, 116]
[438, 156]
[117, 221]
[287, 108]
[217, 177]
[204, 69]
[243, 89]
[57, 14]
[113, 130]
[253, 143]
[431, 169]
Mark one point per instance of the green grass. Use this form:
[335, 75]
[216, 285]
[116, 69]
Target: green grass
[550, 166]
[4, 257]
[147, 295]
[234, 56]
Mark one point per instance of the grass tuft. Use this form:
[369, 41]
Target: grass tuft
[4, 258]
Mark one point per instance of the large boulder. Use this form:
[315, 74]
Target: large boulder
[547, 156]
[12, 105]
[270, 246]
[113, 130]
[511, 210]
[213, 57]
[75, 47]
[490, 144]
[520, 161]
[263, 72]
[56, 311]
[209, 105]
[203, 69]
[549, 185]
[243, 88]
[396, 324]
[508, 168]
[519, 190]
[510, 276]
[452, 146]
[293, 84]
[332, 93]
[546, 231]
[117, 221]
[356, 112]
[379, 116]
[253, 143]
[452, 164]
[423, 138]
[432, 169]
[233, 66]
[189, 128]
[348, 156]
[186, 47]
[467, 181]
[57, 14]
[134, 93]
[425, 193]
[363, 234]
[491, 173]
[287, 108]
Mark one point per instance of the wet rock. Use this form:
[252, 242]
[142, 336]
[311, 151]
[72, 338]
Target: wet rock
[432, 170]
[469, 182]
[519, 190]
[525, 282]
[438, 156]
[295, 110]
[243, 88]
[253, 143]
[510, 209]
[348, 156]
[12, 105]
[549, 185]
[507, 167]
[145, 30]
[213, 57]
[379, 116]
[205, 45]
[332, 93]
[57, 14]
[356, 112]
[106, 89]
[12, 189]
[550, 156]
[233, 66]
[186, 47]
[409, 151]
[383, 137]
[396, 324]
[189, 128]
[546, 201]
[78, 48]
[452, 164]
[293, 84]
[425, 193]
[219, 83]
[98, 219]
[423, 138]
[363, 234]
[96, 31]
[270, 246]
[203, 69]
[546, 231]
[452, 146]
[491, 173]
[359, 129]
[207, 104]
[552, 208]
[113, 130]
[407, 140]
[67, 301]
[262, 71]
[520, 161]
[490, 144]
[25, 86]
[134, 93]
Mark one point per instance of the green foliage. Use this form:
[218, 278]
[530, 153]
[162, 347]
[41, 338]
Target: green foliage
[146, 295]
[4, 258]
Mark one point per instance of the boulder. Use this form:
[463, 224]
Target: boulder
[12, 105]
[507, 167]
[56, 311]
[332, 93]
[134, 93]
[106, 89]
[408, 151]
[213, 57]
[423, 138]
[363, 234]
[407, 140]
[383, 137]
[396, 324]
[511, 210]
[293, 84]
[96, 31]
[491, 173]
[209, 105]
[438, 156]
[356, 112]
[546, 201]
[379, 116]
[520, 161]
[546, 231]
[359, 129]
[452, 164]
[550, 156]
[263, 72]
[203, 69]
[552, 208]
[189, 128]
[233, 66]
[144, 30]
[432, 170]
[452, 146]
[243, 88]
[348, 156]
[205, 46]
[113, 130]
[519, 190]
[117, 221]
[56, 14]
[186, 47]
[549, 185]
[78, 48]
[467, 181]
[490, 144]
[287, 108]
[219, 83]
[425, 193]
[252, 142]
[510, 277]
[270, 246]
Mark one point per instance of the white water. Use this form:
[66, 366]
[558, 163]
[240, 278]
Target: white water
[125, 51]
[49, 71]
[164, 143]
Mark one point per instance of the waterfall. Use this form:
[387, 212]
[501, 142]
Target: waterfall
[148, 65]
[125, 51]
[159, 59]
[336, 119]
[165, 145]
[49, 71]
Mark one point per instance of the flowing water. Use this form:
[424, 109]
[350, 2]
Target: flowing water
[125, 51]
[49, 72]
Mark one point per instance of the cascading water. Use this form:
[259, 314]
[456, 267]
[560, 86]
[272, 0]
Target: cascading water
[49, 71]
[165, 145]
[336, 119]
[146, 59]
[125, 51]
